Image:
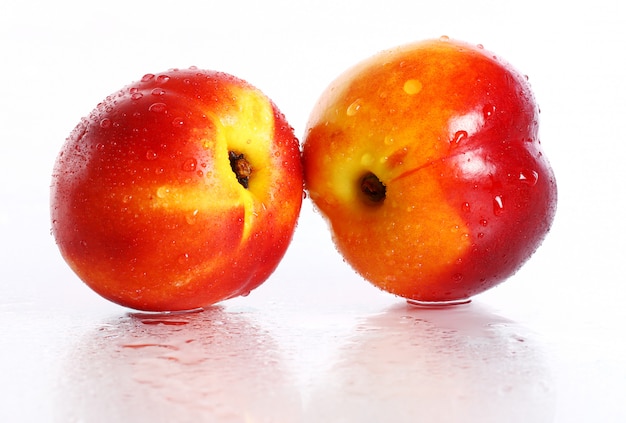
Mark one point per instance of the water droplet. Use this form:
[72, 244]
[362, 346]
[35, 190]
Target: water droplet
[178, 122]
[481, 235]
[480, 46]
[190, 165]
[457, 277]
[157, 91]
[483, 222]
[147, 77]
[100, 146]
[191, 218]
[498, 205]
[412, 86]
[136, 96]
[157, 107]
[466, 207]
[458, 137]
[528, 177]
[388, 140]
[367, 159]
[162, 191]
[151, 155]
[444, 38]
[162, 79]
[488, 110]
[183, 258]
[105, 123]
[354, 107]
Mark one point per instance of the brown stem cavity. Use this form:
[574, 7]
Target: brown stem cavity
[372, 188]
[241, 167]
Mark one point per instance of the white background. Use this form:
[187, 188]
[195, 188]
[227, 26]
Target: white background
[315, 342]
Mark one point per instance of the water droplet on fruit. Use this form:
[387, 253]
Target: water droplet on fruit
[161, 79]
[105, 123]
[488, 110]
[147, 77]
[178, 122]
[162, 191]
[191, 218]
[100, 146]
[483, 222]
[190, 165]
[151, 155]
[481, 235]
[480, 46]
[388, 140]
[466, 207]
[444, 38]
[157, 107]
[528, 177]
[367, 159]
[183, 258]
[498, 205]
[458, 137]
[354, 107]
[136, 96]
[412, 86]
[157, 91]
[457, 277]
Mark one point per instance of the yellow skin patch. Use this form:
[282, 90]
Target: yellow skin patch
[248, 128]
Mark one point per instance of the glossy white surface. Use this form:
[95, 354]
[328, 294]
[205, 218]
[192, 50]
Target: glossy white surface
[315, 343]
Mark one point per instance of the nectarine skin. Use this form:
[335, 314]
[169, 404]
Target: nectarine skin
[181, 190]
[426, 161]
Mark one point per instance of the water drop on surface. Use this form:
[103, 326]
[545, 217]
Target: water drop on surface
[161, 79]
[458, 137]
[466, 207]
[444, 38]
[483, 222]
[412, 86]
[136, 96]
[191, 218]
[157, 107]
[157, 91]
[529, 177]
[178, 122]
[488, 110]
[162, 192]
[190, 165]
[147, 77]
[498, 205]
[480, 46]
[151, 155]
[354, 107]
[105, 123]
[367, 159]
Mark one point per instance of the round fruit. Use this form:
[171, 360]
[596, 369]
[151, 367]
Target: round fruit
[179, 191]
[426, 161]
